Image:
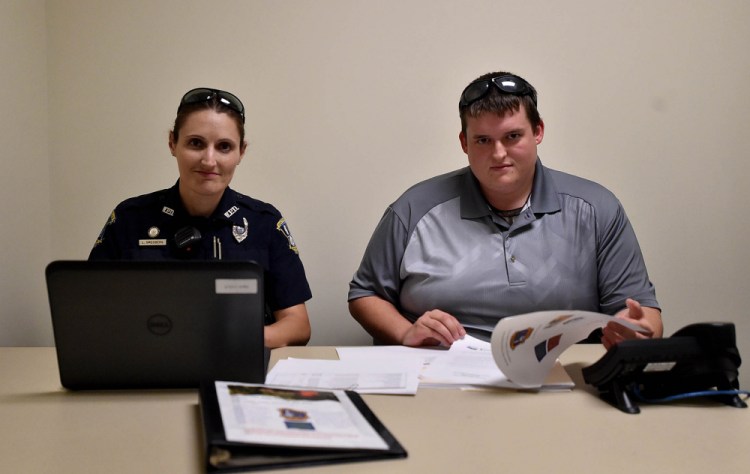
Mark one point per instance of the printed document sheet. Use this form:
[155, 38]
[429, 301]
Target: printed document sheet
[271, 416]
[387, 375]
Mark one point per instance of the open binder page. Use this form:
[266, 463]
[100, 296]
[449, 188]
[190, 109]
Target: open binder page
[263, 415]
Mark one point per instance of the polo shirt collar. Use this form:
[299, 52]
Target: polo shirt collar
[544, 198]
[473, 203]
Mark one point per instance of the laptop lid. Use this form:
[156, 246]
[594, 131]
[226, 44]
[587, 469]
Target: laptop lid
[157, 324]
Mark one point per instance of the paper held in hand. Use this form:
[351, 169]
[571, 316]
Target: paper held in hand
[525, 347]
[522, 353]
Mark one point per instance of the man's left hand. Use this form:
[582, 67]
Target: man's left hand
[646, 317]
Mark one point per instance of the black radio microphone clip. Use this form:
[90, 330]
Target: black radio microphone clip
[186, 237]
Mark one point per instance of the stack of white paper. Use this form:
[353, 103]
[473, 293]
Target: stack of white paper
[522, 354]
[379, 375]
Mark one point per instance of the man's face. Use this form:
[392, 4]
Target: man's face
[502, 155]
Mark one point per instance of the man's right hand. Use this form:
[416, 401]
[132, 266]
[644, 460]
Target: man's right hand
[434, 328]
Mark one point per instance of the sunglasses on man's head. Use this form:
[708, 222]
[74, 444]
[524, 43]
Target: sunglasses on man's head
[203, 94]
[507, 83]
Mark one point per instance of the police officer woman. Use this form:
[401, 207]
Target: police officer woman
[201, 217]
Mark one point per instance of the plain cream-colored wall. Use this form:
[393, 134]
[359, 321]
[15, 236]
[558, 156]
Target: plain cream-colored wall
[25, 207]
[350, 102]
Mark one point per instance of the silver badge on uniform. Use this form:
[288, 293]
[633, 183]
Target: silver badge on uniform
[240, 233]
[153, 232]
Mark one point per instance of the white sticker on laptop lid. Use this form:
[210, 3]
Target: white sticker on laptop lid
[236, 286]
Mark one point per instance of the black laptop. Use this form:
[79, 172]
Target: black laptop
[166, 324]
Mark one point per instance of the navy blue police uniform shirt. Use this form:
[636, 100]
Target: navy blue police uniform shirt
[241, 228]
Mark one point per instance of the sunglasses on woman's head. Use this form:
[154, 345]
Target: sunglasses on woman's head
[204, 94]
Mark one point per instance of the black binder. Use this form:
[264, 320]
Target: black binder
[228, 456]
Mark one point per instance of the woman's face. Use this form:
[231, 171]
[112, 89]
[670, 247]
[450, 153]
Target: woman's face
[208, 149]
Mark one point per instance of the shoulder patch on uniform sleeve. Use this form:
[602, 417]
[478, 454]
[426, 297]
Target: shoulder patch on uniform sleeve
[112, 219]
[282, 227]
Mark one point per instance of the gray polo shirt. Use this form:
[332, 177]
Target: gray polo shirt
[439, 246]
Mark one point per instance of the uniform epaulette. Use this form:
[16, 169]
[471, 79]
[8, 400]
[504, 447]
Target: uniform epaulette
[144, 200]
[255, 204]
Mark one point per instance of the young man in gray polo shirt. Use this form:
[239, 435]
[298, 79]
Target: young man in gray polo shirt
[503, 236]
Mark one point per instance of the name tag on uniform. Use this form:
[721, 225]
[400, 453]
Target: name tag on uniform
[152, 242]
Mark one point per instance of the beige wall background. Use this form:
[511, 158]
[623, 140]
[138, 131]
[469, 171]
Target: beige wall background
[350, 102]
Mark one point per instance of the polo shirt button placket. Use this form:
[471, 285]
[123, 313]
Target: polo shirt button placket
[507, 248]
